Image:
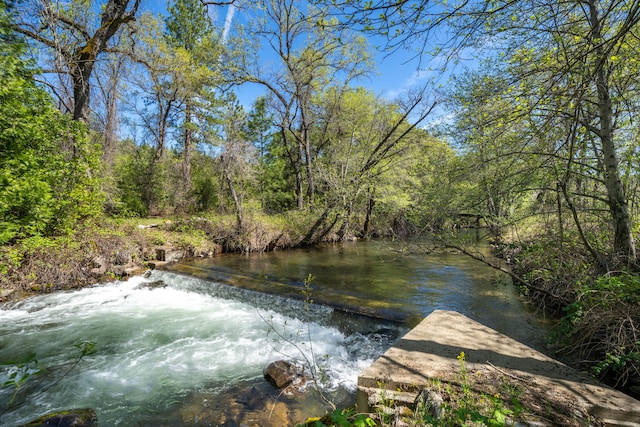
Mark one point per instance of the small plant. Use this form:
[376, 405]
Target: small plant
[18, 373]
[599, 324]
[301, 340]
[618, 361]
[316, 368]
[383, 405]
[468, 408]
[340, 418]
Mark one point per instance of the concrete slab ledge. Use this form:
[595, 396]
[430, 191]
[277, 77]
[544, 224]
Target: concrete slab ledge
[430, 350]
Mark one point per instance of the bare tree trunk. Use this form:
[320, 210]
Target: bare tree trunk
[232, 190]
[311, 186]
[165, 108]
[320, 228]
[308, 161]
[186, 161]
[585, 241]
[81, 91]
[560, 219]
[299, 180]
[81, 65]
[367, 219]
[299, 191]
[293, 154]
[623, 242]
[345, 222]
[111, 119]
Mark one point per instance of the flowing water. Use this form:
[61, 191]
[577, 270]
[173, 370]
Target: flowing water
[178, 349]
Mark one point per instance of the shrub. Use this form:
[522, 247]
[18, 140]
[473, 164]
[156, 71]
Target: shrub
[47, 164]
[602, 325]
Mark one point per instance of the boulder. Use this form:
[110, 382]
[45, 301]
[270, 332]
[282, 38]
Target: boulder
[283, 374]
[168, 254]
[71, 418]
[253, 399]
[431, 402]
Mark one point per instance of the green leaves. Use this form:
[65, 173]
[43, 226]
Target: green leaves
[86, 348]
[342, 418]
[17, 373]
[187, 24]
[603, 316]
[47, 164]
[20, 370]
[611, 289]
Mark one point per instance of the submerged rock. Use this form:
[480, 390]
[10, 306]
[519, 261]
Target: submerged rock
[71, 418]
[153, 285]
[249, 404]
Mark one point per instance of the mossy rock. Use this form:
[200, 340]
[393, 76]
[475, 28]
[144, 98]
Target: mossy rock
[71, 418]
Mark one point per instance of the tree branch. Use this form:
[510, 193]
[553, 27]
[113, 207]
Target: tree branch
[515, 277]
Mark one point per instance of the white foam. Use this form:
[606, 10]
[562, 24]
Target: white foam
[156, 343]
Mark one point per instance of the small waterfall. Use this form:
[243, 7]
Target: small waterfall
[157, 345]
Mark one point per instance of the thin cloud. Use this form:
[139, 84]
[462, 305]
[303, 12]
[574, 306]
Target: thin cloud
[228, 20]
[416, 78]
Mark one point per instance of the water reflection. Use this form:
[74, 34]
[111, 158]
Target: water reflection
[382, 279]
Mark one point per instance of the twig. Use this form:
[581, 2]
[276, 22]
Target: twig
[515, 377]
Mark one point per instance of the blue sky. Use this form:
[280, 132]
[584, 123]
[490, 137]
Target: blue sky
[394, 76]
[397, 72]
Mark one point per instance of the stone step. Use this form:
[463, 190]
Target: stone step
[430, 352]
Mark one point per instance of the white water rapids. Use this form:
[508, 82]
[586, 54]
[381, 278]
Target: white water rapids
[155, 346]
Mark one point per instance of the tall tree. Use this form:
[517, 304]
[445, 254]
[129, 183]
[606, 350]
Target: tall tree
[496, 146]
[363, 139]
[568, 62]
[235, 157]
[310, 54]
[44, 191]
[73, 42]
[584, 38]
[153, 81]
[109, 77]
[189, 32]
[259, 132]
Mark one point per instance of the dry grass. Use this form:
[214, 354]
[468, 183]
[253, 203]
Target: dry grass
[114, 248]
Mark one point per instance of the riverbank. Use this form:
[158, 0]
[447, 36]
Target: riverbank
[116, 249]
[444, 279]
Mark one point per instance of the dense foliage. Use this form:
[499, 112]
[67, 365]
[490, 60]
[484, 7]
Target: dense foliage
[48, 166]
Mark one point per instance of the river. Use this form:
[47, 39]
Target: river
[190, 349]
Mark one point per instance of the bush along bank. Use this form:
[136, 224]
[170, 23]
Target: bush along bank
[116, 249]
[599, 311]
[106, 249]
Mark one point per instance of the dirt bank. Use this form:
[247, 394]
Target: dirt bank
[113, 251]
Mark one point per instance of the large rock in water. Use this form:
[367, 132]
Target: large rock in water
[70, 418]
[283, 375]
